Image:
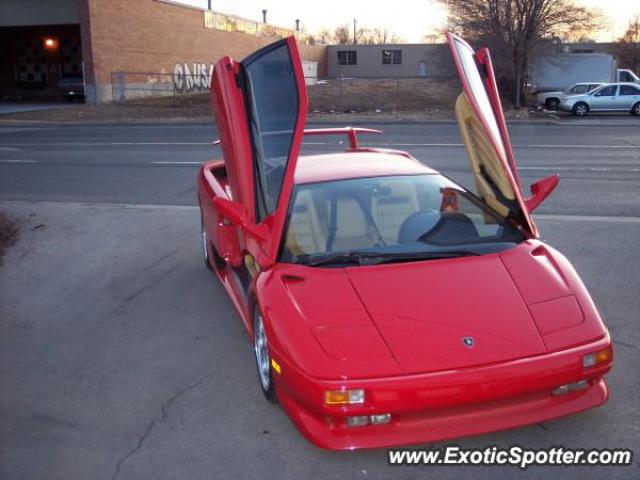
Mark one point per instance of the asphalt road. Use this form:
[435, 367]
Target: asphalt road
[599, 165]
[121, 356]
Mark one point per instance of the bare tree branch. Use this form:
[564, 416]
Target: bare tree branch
[514, 29]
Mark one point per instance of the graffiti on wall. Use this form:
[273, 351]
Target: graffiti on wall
[192, 77]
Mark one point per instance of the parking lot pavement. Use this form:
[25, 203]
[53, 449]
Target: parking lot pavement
[122, 358]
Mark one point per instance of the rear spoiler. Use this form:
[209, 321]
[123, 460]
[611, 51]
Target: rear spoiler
[351, 132]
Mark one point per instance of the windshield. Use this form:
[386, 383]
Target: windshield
[390, 216]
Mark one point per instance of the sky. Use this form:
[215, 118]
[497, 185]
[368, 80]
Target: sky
[410, 19]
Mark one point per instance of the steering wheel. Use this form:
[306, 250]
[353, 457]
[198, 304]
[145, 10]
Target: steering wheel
[417, 225]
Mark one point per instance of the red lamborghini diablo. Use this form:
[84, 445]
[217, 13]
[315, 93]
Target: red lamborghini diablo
[387, 304]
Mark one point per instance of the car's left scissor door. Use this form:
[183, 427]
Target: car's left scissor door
[260, 105]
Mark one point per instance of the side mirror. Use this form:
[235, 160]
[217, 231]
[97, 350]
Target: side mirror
[231, 211]
[540, 190]
[234, 212]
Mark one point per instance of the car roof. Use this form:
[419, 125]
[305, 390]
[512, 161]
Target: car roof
[358, 164]
[615, 84]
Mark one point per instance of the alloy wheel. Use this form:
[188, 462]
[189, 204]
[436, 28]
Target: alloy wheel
[261, 348]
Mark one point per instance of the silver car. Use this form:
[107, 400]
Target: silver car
[551, 100]
[610, 97]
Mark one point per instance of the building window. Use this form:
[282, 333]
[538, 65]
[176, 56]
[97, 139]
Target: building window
[392, 57]
[347, 57]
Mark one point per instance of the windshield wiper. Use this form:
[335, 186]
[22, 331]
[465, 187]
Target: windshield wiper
[376, 258]
[416, 256]
[338, 258]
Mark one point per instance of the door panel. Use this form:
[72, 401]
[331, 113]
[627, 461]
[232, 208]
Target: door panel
[628, 96]
[604, 99]
[484, 131]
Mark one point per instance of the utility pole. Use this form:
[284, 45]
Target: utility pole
[355, 39]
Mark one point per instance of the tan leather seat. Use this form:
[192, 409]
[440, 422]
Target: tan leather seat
[305, 234]
[352, 229]
[390, 211]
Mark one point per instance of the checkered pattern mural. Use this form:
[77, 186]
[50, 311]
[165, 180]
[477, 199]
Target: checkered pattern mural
[32, 66]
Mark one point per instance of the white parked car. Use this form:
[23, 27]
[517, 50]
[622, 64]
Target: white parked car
[610, 97]
[551, 100]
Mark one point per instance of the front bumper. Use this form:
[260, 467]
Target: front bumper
[443, 405]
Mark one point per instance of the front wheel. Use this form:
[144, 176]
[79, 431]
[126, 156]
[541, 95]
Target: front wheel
[263, 360]
[552, 104]
[580, 109]
[205, 243]
[635, 110]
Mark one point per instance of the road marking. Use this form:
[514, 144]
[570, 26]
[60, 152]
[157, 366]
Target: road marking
[176, 163]
[388, 144]
[104, 144]
[400, 144]
[587, 218]
[155, 206]
[582, 169]
[190, 163]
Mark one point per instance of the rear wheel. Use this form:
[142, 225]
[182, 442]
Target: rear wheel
[263, 359]
[580, 109]
[635, 110]
[552, 103]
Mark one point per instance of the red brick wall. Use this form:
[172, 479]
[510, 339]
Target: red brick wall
[152, 36]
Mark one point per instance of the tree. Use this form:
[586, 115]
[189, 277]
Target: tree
[324, 36]
[514, 29]
[342, 35]
[628, 46]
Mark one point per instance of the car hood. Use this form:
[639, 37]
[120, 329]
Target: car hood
[551, 94]
[448, 314]
[575, 97]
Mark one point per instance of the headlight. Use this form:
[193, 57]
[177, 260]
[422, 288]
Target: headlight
[343, 397]
[596, 358]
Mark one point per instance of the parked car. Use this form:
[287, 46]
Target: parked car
[551, 100]
[386, 303]
[612, 97]
[71, 87]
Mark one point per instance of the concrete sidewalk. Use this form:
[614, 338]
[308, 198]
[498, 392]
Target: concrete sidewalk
[122, 357]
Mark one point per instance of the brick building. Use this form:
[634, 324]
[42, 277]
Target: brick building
[156, 42]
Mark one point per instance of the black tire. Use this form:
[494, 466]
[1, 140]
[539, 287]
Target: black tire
[635, 110]
[580, 109]
[205, 243]
[552, 103]
[262, 358]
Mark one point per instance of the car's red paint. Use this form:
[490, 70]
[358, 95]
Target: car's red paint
[372, 163]
[350, 132]
[394, 330]
[232, 110]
